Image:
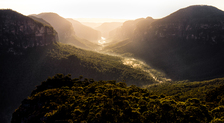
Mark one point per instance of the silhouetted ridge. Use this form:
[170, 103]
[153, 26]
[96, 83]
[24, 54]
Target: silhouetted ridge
[194, 12]
[40, 20]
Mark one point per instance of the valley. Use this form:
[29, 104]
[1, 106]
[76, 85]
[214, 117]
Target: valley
[56, 69]
[134, 63]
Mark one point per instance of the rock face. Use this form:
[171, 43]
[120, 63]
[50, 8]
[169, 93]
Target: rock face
[65, 30]
[196, 23]
[19, 31]
[61, 25]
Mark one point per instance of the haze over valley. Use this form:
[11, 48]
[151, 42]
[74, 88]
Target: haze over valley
[117, 67]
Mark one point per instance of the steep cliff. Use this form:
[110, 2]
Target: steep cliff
[196, 23]
[61, 25]
[20, 32]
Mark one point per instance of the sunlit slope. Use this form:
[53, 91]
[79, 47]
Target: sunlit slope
[100, 63]
[122, 36]
[116, 46]
[81, 43]
[60, 24]
[129, 27]
[21, 73]
[85, 32]
[188, 44]
[65, 30]
[40, 20]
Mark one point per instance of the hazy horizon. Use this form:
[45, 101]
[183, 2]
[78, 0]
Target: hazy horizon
[99, 20]
[112, 9]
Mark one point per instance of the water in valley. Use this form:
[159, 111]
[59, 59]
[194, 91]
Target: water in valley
[135, 63]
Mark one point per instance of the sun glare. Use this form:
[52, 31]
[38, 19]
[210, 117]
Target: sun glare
[122, 9]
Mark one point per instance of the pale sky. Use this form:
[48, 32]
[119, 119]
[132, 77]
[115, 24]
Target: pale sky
[116, 9]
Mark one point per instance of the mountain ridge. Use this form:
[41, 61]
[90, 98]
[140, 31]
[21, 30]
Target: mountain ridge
[85, 32]
[65, 28]
[106, 27]
[182, 49]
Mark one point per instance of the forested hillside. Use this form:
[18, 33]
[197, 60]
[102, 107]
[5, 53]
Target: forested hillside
[20, 73]
[62, 99]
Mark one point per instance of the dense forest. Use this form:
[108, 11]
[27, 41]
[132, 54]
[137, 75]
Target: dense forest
[21, 73]
[62, 99]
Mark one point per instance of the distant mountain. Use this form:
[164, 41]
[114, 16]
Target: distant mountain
[40, 20]
[128, 28]
[187, 44]
[85, 32]
[91, 24]
[65, 30]
[105, 28]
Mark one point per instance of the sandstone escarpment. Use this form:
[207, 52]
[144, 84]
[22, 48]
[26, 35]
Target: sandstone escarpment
[203, 24]
[61, 25]
[19, 31]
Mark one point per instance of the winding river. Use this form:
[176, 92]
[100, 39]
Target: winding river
[136, 64]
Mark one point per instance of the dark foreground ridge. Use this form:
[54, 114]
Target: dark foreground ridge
[62, 99]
